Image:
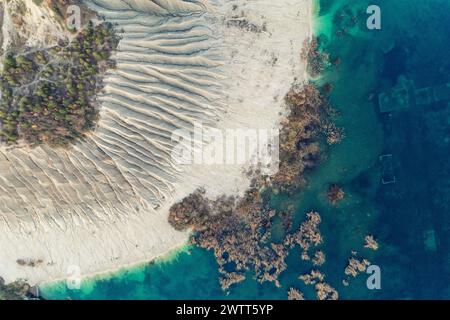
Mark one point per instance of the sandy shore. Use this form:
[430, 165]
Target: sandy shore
[103, 204]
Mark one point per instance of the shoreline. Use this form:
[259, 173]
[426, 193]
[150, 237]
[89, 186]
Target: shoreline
[172, 254]
[365, 209]
[57, 223]
[166, 257]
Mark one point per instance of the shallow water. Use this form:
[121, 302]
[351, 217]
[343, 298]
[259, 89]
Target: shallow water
[413, 42]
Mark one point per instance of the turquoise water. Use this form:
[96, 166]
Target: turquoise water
[413, 42]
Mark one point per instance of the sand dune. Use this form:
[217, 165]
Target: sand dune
[103, 204]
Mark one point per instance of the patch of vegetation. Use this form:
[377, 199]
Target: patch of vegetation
[49, 96]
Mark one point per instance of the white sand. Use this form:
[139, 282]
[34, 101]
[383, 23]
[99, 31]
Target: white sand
[104, 204]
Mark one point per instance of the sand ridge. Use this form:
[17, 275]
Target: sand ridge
[104, 203]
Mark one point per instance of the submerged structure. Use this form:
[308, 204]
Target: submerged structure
[399, 98]
[405, 95]
[387, 169]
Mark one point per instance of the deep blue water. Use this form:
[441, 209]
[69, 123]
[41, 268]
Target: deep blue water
[410, 219]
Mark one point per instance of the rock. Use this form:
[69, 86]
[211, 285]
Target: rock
[319, 258]
[335, 194]
[238, 230]
[308, 235]
[295, 294]
[356, 266]
[312, 278]
[326, 292]
[370, 243]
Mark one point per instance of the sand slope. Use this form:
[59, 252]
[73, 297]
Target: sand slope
[104, 203]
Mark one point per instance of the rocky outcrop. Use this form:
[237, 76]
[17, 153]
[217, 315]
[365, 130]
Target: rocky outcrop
[18, 290]
[356, 266]
[299, 146]
[335, 194]
[317, 60]
[307, 236]
[295, 294]
[237, 230]
[319, 258]
[197, 211]
[334, 134]
[371, 243]
[313, 277]
[238, 233]
[324, 291]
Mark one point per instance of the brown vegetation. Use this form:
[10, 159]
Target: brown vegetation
[313, 277]
[335, 194]
[295, 294]
[318, 258]
[371, 243]
[307, 236]
[317, 61]
[238, 230]
[356, 266]
[326, 292]
[299, 137]
[323, 290]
